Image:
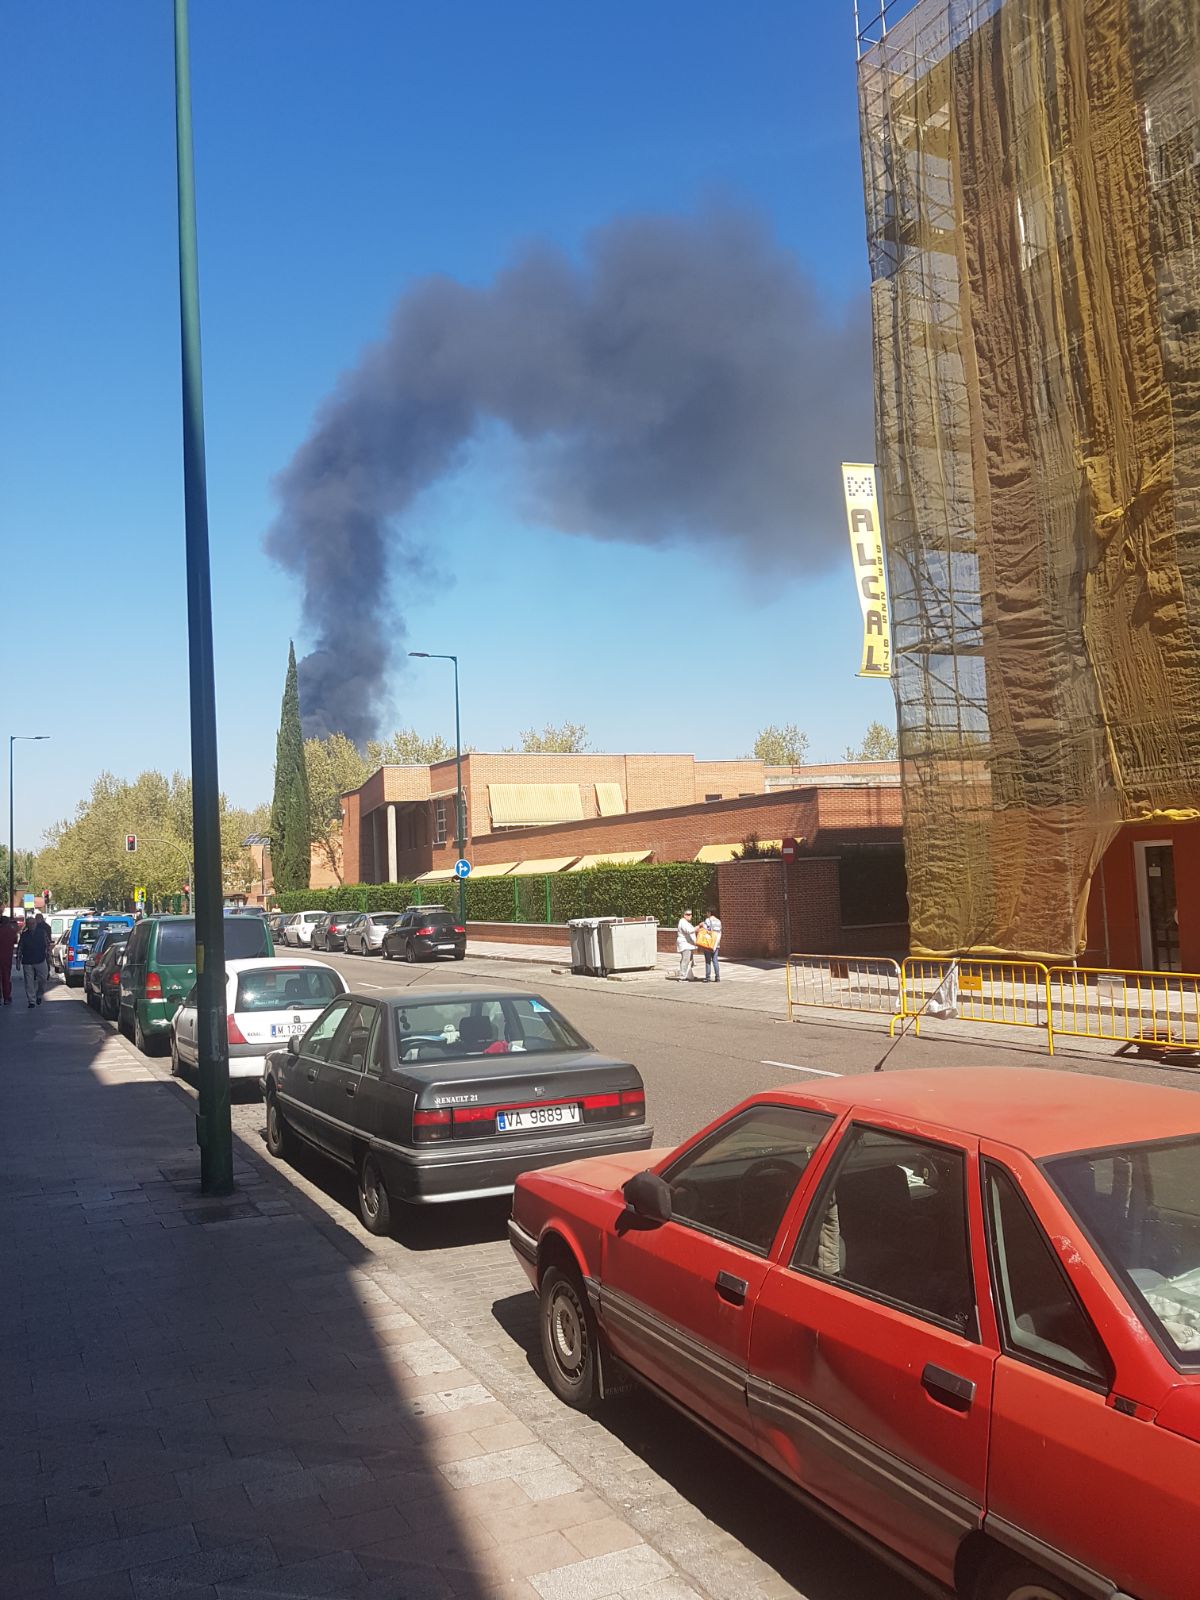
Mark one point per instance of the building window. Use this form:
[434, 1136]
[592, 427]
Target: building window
[439, 822]
[711, 797]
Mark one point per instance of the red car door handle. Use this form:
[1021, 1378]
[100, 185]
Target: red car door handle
[947, 1388]
[731, 1288]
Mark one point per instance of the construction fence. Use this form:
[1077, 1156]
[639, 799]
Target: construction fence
[1152, 1011]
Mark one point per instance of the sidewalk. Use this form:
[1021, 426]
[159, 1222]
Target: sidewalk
[210, 1399]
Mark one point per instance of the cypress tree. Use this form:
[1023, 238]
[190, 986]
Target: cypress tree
[291, 824]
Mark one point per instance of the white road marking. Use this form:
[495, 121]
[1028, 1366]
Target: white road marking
[821, 1072]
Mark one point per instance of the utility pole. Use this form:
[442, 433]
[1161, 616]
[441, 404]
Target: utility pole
[13, 738]
[214, 1133]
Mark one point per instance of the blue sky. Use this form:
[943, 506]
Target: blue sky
[342, 152]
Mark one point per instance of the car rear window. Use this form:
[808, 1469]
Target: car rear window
[88, 932]
[287, 989]
[244, 937]
[454, 1029]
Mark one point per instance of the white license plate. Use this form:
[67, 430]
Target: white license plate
[536, 1117]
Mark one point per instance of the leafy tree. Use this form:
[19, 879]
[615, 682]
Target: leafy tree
[243, 864]
[408, 748]
[23, 861]
[291, 826]
[334, 767]
[569, 738]
[782, 746]
[879, 744]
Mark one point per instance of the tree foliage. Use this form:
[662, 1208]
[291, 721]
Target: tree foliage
[84, 861]
[879, 744]
[291, 822]
[568, 738]
[783, 746]
[334, 767]
[408, 748]
[22, 872]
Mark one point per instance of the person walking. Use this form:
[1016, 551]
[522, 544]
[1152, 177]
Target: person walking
[33, 952]
[708, 937]
[685, 944]
[8, 944]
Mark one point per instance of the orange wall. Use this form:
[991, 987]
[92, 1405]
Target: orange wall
[1114, 891]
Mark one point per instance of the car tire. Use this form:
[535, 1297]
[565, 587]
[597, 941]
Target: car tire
[122, 1024]
[384, 951]
[1010, 1578]
[460, 955]
[410, 955]
[176, 1064]
[281, 1141]
[374, 1204]
[90, 998]
[106, 1010]
[142, 1040]
[569, 1339]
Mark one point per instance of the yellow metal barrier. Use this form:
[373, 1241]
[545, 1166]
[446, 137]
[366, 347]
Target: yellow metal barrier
[1160, 1009]
[845, 983]
[1015, 994]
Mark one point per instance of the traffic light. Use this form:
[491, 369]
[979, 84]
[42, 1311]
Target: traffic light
[131, 842]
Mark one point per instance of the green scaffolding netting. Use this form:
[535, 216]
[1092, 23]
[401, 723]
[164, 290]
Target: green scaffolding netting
[1032, 172]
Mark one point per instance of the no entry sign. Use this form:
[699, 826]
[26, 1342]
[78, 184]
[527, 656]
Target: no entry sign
[789, 849]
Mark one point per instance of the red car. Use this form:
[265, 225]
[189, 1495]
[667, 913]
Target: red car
[957, 1312]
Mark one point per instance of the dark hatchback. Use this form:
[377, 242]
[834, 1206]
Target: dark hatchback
[424, 933]
[449, 1097]
[330, 934]
[102, 972]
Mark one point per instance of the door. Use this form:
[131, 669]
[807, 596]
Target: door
[185, 1029]
[133, 973]
[1158, 915]
[301, 1087]
[340, 1078]
[869, 1385]
[677, 1298]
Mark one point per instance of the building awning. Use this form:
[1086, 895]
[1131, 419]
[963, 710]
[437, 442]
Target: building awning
[533, 805]
[610, 802]
[524, 869]
[726, 852]
[616, 858]
[495, 869]
[438, 874]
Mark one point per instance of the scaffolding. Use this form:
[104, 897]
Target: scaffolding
[1032, 179]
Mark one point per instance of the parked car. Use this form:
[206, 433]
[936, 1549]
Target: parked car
[110, 937]
[299, 928]
[330, 932]
[958, 1312]
[267, 1001]
[364, 936]
[105, 978]
[60, 921]
[423, 933]
[58, 951]
[160, 968]
[277, 922]
[82, 935]
[448, 1097]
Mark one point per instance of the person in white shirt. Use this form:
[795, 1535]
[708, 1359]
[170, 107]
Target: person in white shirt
[712, 963]
[685, 943]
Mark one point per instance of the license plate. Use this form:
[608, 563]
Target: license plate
[536, 1117]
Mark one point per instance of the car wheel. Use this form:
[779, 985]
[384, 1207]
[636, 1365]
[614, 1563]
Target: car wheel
[176, 1064]
[122, 1022]
[280, 1138]
[1010, 1578]
[90, 998]
[374, 1203]
[460, 955]
[106, 1010]
[569, 1339]
[410, 955]
[141, 1038]
[384, 951]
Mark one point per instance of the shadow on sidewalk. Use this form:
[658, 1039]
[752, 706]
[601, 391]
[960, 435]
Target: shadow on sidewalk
[214, 1399]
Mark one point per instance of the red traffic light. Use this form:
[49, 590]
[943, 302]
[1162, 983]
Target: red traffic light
[131, 841]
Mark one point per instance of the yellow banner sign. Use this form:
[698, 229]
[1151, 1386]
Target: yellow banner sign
[870, 573]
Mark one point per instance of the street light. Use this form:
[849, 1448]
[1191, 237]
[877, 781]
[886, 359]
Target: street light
[460, 842]
[30, 738]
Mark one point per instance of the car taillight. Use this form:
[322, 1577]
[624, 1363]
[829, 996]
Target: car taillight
[627, 1105]
[429, 1126]
[153, 986]
[423, 933]
[114, 977]
[460, 930]
[234, 1033]
[71, 954]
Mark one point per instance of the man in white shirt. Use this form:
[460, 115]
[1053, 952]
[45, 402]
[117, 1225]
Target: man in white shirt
[685, 943]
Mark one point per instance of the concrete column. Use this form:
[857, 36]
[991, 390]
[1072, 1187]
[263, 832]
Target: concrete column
[392, 849]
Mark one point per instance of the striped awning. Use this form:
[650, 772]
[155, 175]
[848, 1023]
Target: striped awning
[610, 802]
[496, 869]
[525, 869]
[726, 852]
[532, 805]
[438, 874]
[617, 858]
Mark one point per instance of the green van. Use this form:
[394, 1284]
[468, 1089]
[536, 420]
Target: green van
[160, 968]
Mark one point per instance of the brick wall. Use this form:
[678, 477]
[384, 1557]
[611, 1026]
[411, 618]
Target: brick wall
[756, 919]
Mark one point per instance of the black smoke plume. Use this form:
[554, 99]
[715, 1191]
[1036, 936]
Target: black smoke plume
[683, 381]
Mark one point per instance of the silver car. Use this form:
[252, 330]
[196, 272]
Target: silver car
[364, 936]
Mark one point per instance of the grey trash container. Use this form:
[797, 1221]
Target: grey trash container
[629, 944]
[585, 945]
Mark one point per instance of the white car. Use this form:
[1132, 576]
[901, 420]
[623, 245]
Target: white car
[268, 999]
[299, 930]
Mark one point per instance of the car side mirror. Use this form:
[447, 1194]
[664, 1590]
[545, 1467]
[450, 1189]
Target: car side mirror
[294, 1045]
[648, 1197]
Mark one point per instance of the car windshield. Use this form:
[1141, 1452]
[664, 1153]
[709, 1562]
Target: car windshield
[455, 1029]
[244, 937]
[1141, 1204]
[286, 989]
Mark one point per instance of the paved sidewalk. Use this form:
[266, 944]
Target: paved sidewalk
[205, 1400]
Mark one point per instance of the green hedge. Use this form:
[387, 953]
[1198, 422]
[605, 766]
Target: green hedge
[647, 891]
